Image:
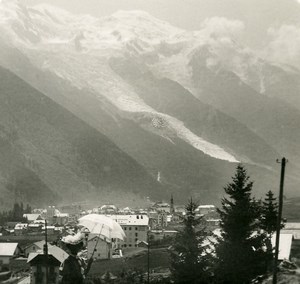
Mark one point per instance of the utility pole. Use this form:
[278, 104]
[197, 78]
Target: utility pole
[279, 217]
[148, 256]
[46, 251]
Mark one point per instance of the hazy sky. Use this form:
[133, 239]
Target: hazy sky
[257, 15]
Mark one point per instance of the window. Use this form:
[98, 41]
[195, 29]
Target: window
[125, 228]
[136, 228]
[136, 234]
[129, 245]
[129, 228]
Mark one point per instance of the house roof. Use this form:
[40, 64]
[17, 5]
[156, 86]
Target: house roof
[21, 226]
[34, 225]
[294, 232]
[142, 242]
[62, 215]
[55, 251]
[206, 207]
[32, 217]
[41, 259]
[134, 220]
[8, 249]
[39, 244]
[101, 238]
[161, 204]
[291, 226]
[42, 221]
[48, 227]
[164, 231]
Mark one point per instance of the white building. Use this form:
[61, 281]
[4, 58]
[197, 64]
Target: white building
[285, 245]
[205, 209]
[292, 228]
[20, 228]
[101, 247]
[7, 252]
[135, 228]
[32, 217]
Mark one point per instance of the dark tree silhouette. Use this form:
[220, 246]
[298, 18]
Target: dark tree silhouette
[269, 214]
[240, 252]
[15, 215]
[189, 258]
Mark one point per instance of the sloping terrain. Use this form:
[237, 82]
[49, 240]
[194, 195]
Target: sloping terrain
[189, 105]
[47, 153]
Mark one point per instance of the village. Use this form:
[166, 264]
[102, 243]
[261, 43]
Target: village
[23, 239]
[148, 231]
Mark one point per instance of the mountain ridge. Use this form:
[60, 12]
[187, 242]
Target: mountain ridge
[64, 153]
[178, 112]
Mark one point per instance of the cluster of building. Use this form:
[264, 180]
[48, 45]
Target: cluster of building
[160, 221]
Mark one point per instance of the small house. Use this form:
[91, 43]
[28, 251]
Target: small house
[101, 247]
[20, 229]
[285, 245]
[33, 248]
[32, 217]
[39, 264]
[8, 251]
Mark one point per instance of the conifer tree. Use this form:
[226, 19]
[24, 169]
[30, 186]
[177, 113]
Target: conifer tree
[189, 259]
[269, 213]
[268, 223]
[240, 252]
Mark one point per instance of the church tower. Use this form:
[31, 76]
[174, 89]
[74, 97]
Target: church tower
[172, 210]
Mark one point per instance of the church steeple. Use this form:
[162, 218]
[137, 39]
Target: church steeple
[172, 205]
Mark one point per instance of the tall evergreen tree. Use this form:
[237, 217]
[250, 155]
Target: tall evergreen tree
[269, 214]
[189, 259]
[268, 222]
[240, 252]
[28, 209]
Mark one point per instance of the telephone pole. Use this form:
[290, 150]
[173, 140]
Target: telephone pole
[279, 217]
[46, 252]
[148, 256]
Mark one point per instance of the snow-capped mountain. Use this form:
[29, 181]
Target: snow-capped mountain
[72, 48]
[187, 104]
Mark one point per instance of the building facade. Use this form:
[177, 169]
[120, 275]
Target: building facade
[102, 248]
[135, 228]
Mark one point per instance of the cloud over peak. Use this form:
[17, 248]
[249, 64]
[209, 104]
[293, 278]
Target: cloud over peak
[284, 46]
[220, 26]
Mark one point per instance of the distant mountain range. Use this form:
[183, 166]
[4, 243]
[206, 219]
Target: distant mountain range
[95, 106]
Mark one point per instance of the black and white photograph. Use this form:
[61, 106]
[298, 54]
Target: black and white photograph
[149, 141]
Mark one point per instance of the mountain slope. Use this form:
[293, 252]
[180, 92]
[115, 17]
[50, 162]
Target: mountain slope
[180, 103]
[43, 143]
